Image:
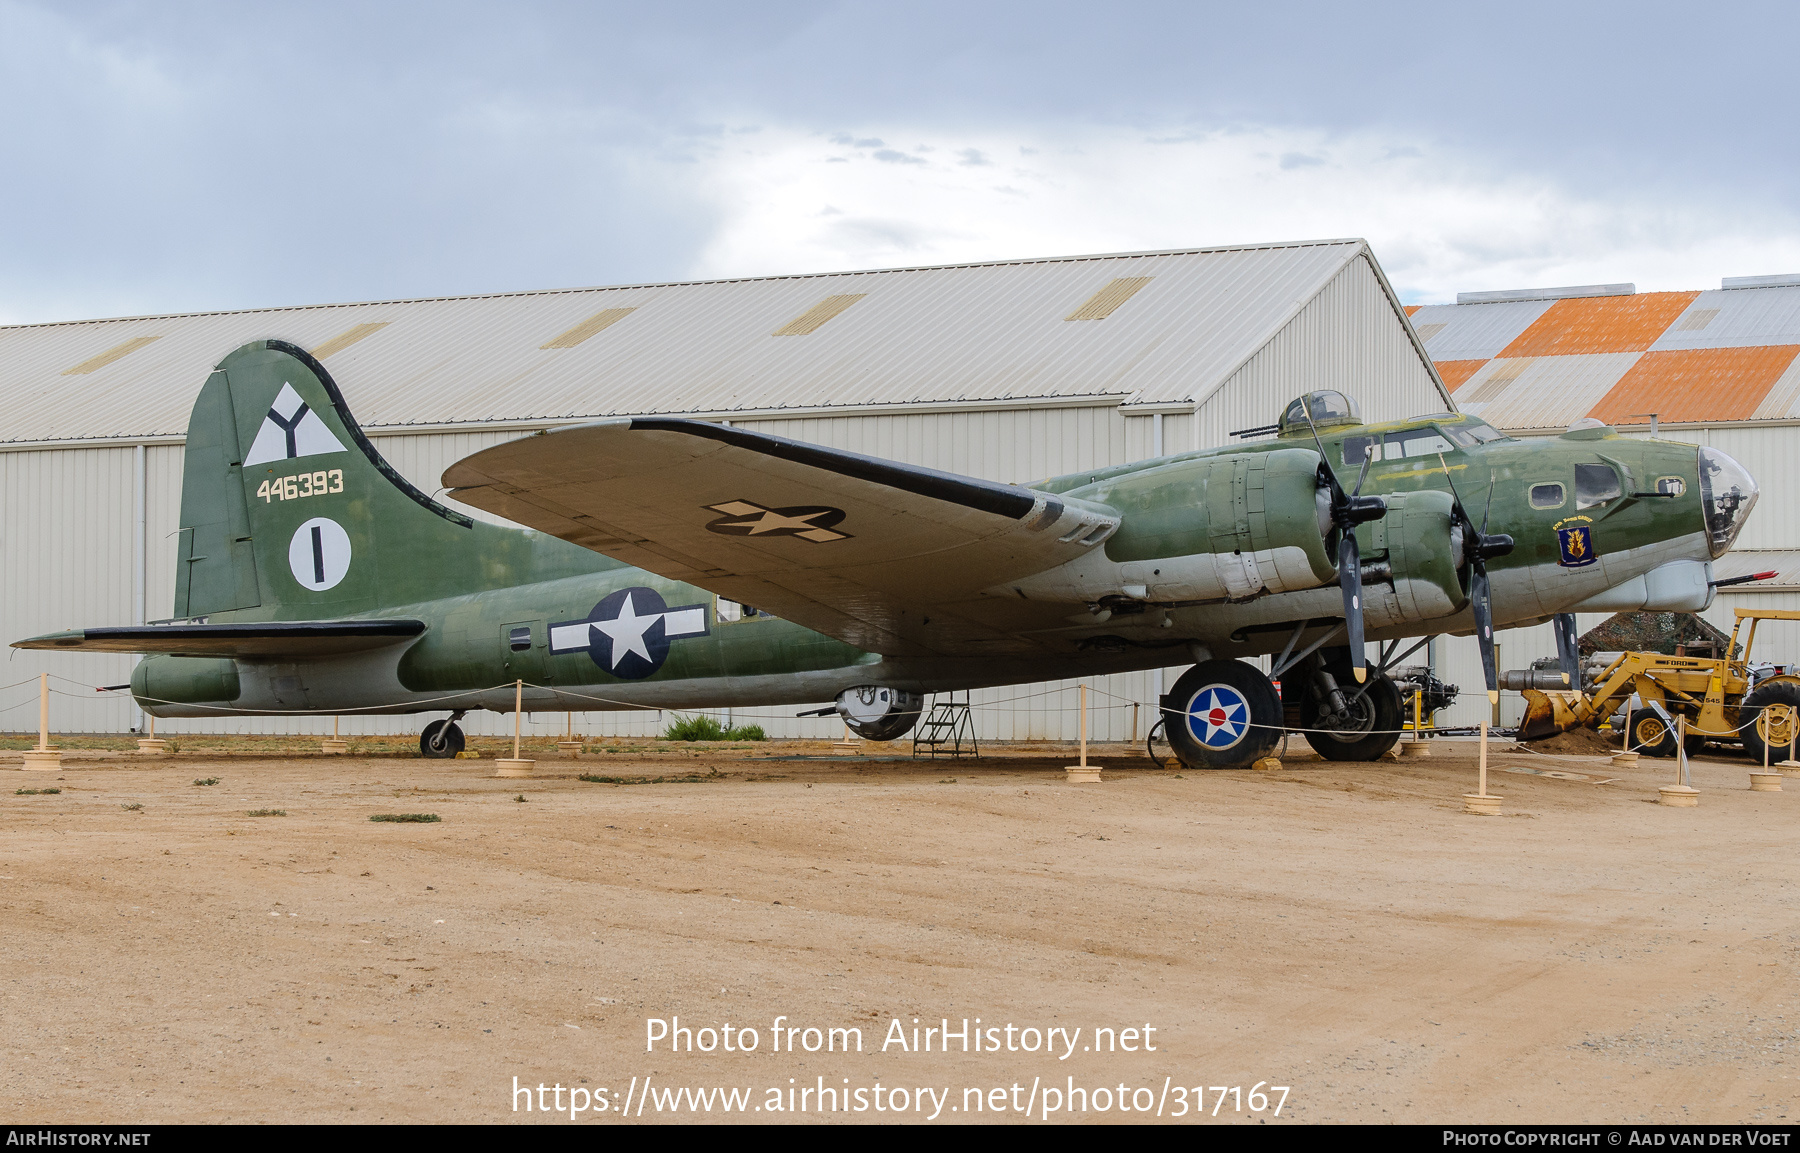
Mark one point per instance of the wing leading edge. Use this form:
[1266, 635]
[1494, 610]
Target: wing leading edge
[886, 556]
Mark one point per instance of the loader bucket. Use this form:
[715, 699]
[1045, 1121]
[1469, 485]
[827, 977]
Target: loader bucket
[1552, 711]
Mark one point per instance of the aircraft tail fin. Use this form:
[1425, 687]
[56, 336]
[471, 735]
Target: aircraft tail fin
[288, 509]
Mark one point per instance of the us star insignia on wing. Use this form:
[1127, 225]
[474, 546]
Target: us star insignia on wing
[808, 522]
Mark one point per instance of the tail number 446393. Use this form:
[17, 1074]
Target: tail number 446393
[303, 484]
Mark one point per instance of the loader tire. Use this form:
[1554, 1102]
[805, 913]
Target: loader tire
[1751, 728]
[1646, 732]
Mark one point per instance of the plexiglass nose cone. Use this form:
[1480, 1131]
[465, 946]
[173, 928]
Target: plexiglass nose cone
[1727, 494]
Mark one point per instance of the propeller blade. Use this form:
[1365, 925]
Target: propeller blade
[1484, 627]
[1350, 579]
[1568, 654]
[1362, 476]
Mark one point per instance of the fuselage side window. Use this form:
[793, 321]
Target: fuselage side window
[1429, 443]
[733, 611]
[1673, 485]
[1547, 496]
[1595, 484]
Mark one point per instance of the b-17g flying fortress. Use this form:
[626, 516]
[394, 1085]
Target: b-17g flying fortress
[675, 563]
[1185, 564]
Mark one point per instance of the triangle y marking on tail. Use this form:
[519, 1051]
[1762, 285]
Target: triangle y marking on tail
[291, 430]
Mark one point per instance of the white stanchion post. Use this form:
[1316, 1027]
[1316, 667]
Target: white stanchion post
[569, 746]
[45, 757]
[1081, 773]
[1680, 795]
[1769, 780]
[516, 766]
[148, 744]
[336, 746]
[1481, 802]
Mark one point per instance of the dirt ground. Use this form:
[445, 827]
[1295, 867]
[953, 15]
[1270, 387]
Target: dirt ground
[1341, 930]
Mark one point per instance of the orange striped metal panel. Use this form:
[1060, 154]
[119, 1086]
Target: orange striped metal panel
[1542, 392]
[1695, 384]
[1475, 331]
[1455, 372]
[1601, 324]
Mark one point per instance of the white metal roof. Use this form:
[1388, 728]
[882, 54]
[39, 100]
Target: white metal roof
[965, 333]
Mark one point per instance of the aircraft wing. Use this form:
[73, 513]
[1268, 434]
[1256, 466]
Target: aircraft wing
[254, 639]
[885, 556]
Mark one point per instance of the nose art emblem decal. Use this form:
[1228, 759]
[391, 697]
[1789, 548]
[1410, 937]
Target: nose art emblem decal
[1575, 544]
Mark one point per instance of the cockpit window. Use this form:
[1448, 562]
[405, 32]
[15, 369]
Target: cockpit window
[1395, 446]
[1473, 432]
[1595, 484]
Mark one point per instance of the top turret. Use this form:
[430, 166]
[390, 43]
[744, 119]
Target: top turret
[1328, 409]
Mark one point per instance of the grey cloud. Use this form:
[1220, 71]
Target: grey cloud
[889, 156]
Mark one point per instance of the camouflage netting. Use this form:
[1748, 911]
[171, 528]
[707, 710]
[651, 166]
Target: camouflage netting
[1650, 633]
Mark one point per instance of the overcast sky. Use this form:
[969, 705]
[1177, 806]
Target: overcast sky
[174, 157]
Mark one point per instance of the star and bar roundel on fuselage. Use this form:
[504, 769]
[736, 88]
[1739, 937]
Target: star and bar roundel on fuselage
[628, 632]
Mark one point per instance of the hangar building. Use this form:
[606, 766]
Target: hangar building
[1010, 371]
[1718, 368]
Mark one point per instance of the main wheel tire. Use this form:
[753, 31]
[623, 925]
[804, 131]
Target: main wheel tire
[1375, 721]
[1222, 715]
[1760, 736]
[441, 740]
[1646, 732]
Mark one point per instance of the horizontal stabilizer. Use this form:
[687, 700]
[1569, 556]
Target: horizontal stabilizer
[251, 639]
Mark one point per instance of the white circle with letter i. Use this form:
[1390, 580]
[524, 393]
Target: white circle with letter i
[319, 554]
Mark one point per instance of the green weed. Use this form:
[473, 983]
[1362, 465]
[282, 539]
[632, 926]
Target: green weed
[207, 781]
[35, 792]
[407, 818]
[132, 808]
[266, 813]
[708, 729]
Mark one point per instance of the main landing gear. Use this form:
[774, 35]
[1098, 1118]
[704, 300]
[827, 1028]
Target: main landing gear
[442, 739]
[1343, 720]
[1227, 714]
[1222, 715]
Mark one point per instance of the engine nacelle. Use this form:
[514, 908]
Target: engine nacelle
[878, 713]
[1220, 528]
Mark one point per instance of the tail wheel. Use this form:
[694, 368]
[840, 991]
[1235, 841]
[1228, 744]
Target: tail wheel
[1646, 732]
[1156, 746]
[441, 740]
[1222, 715]
[1768, 720]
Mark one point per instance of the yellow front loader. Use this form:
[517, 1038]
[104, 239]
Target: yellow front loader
[1714, 695]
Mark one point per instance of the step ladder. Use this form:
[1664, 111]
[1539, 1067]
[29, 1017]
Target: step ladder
[948, 729]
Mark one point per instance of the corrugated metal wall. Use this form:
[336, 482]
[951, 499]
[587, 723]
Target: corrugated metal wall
[1344, 338]
[66, 518]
